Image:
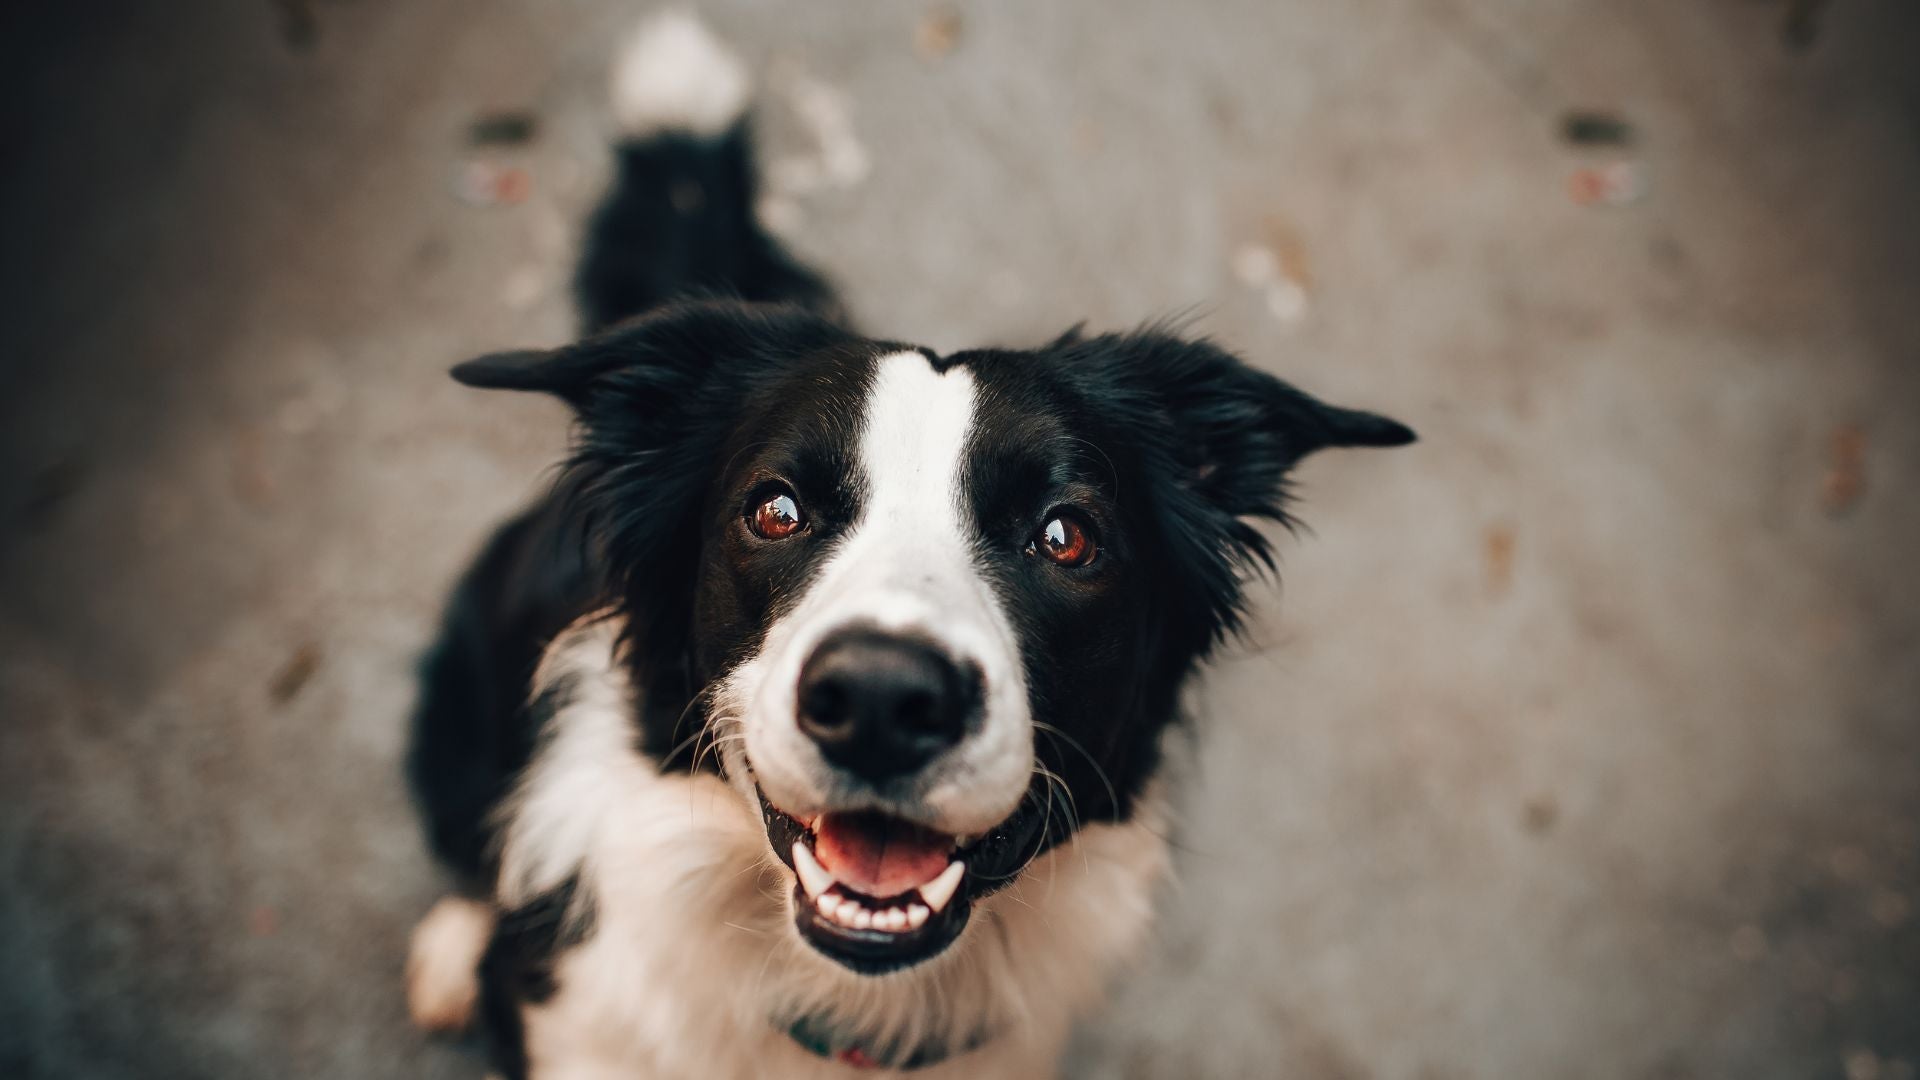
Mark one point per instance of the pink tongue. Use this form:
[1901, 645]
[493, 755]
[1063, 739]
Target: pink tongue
[878, 855]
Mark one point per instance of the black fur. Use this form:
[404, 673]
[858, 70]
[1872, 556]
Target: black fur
[517, 969]
[680, 221]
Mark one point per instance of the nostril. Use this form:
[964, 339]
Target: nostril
[824, 710]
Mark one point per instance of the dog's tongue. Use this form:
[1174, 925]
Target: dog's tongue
[878, 855]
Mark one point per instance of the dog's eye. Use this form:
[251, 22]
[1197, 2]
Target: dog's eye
[1064, 540]
[775, 515]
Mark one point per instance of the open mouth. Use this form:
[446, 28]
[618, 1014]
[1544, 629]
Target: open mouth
[878, 893]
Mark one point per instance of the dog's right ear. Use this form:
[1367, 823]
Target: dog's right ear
[565, 372]
[651, 357]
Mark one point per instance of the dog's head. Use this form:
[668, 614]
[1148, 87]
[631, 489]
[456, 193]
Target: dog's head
[933, 612]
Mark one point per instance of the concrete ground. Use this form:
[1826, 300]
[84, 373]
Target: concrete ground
[1586, 742]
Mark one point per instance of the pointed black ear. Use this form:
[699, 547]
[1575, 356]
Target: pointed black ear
[1238, 430]
[662, 351]
[1312, 424]
[1216, 440]
[566, 373]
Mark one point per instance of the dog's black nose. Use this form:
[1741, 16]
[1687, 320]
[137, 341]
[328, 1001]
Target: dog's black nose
[881, 706]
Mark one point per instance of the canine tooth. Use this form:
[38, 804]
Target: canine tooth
[813, 877]
[941, 889]
[917, 915]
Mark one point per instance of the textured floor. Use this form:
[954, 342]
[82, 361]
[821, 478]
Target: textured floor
[1586, 742]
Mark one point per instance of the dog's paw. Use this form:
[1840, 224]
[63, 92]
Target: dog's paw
[443, 963]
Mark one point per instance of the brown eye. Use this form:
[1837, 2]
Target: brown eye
[775, 516]
[1065, 542]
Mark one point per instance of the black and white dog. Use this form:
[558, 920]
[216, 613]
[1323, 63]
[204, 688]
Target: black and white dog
[812, 721]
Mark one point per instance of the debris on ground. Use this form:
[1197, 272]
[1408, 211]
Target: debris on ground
[1277, 266]
[838, 159]
[1846, 470]
[1590, 127]
[294, 675]
[263, 921]
[505, 127]
[252, 479]
[937, 34]
[1539, 814]
[1801, 28]
[299, 26]
[483, 183]
[1499, 544]
[1618, 183]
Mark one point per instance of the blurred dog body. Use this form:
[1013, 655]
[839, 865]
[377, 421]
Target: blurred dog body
[814, 720]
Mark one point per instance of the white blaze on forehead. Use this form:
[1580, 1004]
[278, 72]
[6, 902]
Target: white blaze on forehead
[914, 444]
[908, 565]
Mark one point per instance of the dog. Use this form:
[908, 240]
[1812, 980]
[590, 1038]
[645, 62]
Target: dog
[813, 720]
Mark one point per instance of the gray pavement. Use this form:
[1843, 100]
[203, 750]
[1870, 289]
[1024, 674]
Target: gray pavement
[1585, 741]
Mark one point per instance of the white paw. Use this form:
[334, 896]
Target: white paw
[443, 963]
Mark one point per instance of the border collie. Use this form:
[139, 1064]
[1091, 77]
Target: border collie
[813, 719]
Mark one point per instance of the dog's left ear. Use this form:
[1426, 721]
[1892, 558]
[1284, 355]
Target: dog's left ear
[1236, 431]
[1217, 440]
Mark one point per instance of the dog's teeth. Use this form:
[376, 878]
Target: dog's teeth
[813, 877]
[826, 903]
[863, 919]
[917, 915]
[941, 889]
[896, 920]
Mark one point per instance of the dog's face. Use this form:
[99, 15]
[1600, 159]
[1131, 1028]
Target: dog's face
[934, 612]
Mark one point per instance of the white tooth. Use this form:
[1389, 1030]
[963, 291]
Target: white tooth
[863, 919]
[890, 920]
[843, 912]
[917, 915]
[827, 903]
[940, 890]
[813, 877]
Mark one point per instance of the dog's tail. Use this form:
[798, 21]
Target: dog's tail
[679, 219]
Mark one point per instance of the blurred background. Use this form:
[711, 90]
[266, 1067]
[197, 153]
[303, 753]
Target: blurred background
[1584, 742]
